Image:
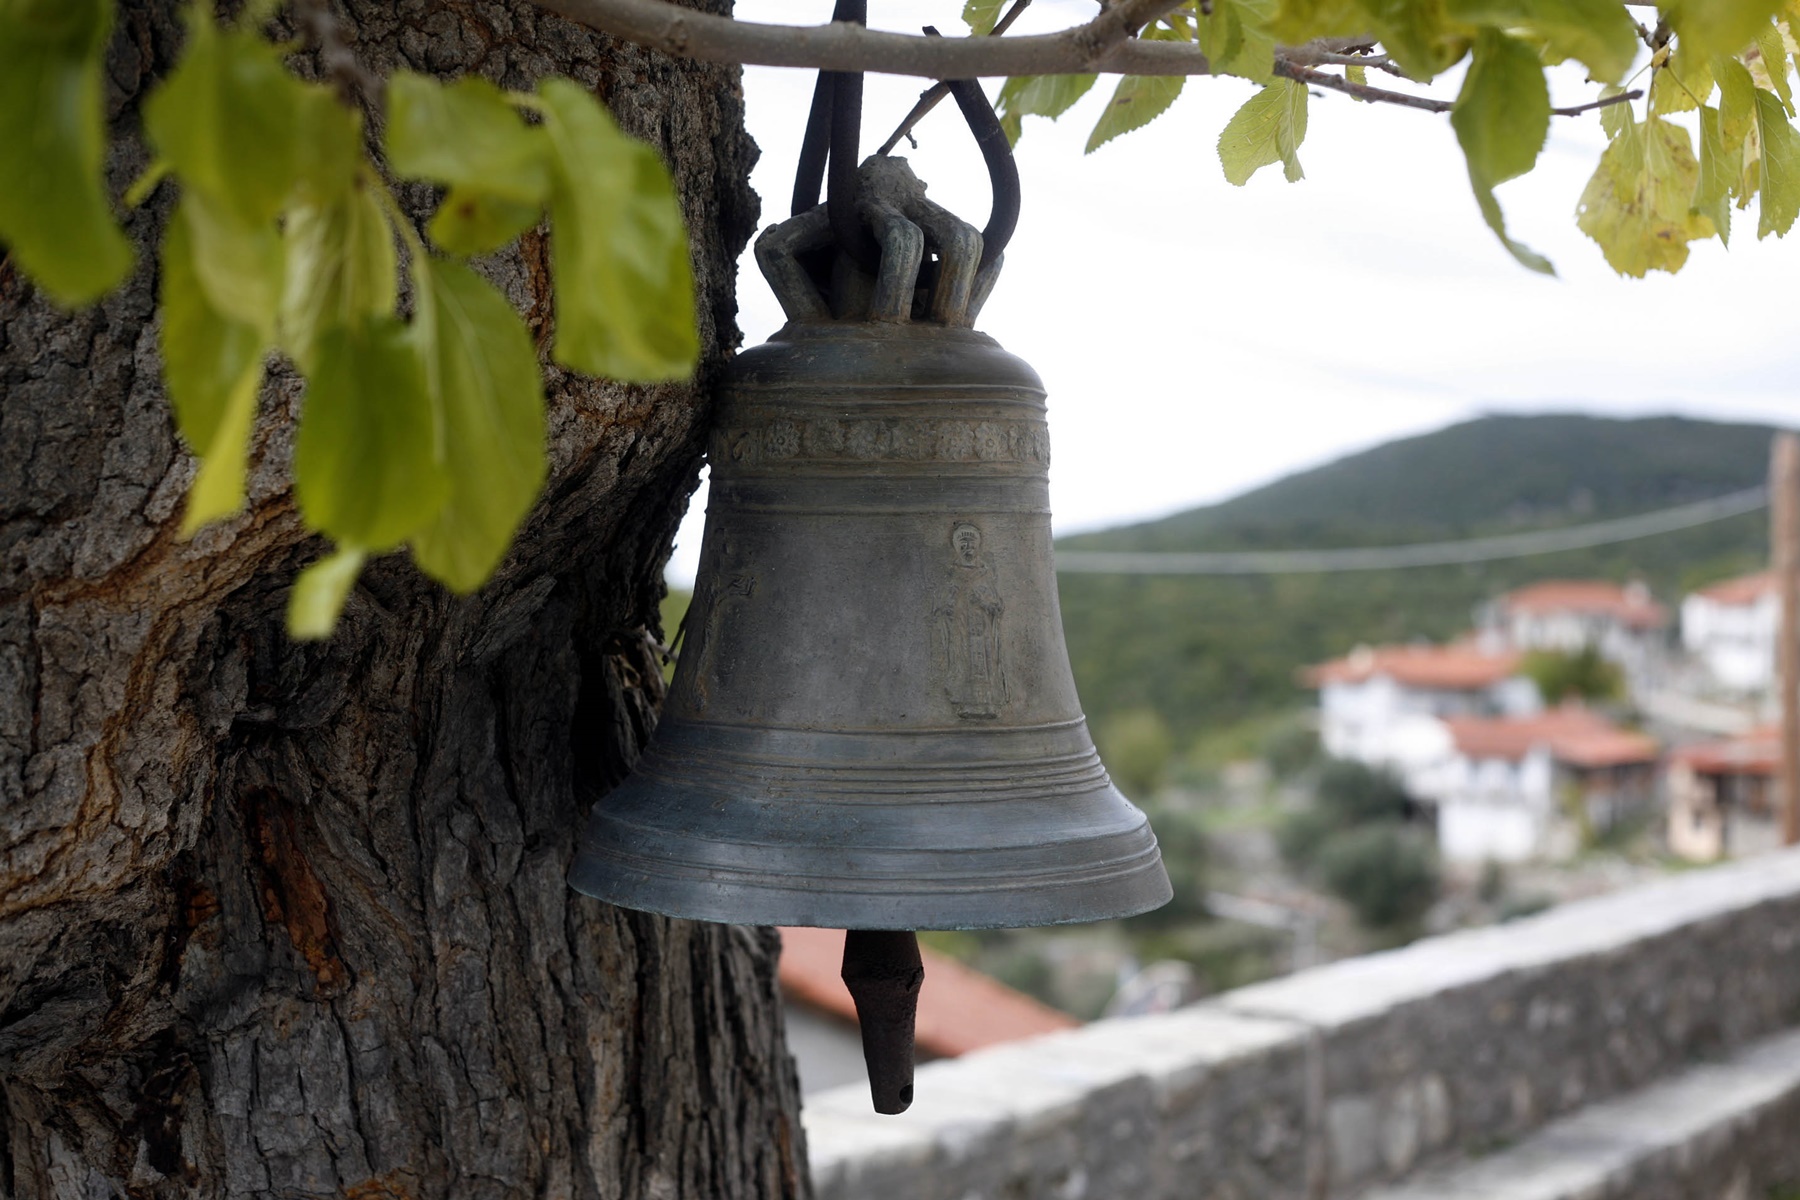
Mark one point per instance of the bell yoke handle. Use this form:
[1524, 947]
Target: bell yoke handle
[877, 218]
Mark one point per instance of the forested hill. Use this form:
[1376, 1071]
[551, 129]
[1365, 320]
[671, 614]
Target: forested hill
[1206, 651]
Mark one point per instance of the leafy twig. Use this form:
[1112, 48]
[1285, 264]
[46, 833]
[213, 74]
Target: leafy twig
[1575, 110]
[1287, 68]
[1314, 54]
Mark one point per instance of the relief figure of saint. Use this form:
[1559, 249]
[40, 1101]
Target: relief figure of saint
[724, 588]
[968, 615]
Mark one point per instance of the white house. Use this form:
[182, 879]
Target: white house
[1621, 622]
[1730, 628]
[1725, 797]
[1382, 705]
[1525, 787]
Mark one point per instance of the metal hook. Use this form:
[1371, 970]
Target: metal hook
[809, 176]
[846, 134]
[1003, 171]
[829, 154]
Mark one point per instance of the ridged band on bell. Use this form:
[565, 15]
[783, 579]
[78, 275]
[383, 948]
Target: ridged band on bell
[873, 724]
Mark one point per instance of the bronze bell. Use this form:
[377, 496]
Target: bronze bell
[873, 724]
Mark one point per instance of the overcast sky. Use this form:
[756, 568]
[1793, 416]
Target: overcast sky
[1198, 339]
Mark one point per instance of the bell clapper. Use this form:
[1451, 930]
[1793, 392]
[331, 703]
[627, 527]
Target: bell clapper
[883, 971]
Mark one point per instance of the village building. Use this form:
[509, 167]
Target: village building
[960, 1010]
[1730, 629]
[1381, 705]
[1622, 623]
[1725, 797]
[1514, 788]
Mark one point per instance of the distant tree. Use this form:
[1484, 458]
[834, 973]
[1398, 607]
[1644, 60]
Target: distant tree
[1182, 837]
[1384, 871]
[1347, 795]
[1355, 792]
[1290, 747]
[1355, 840]
[1582, 675]
[1137, 746]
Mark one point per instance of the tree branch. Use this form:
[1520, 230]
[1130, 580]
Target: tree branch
[1313, 54]
[1575, 110]
[1103, 45]
[1288, 68]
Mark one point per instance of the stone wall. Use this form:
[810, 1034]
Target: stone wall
[1325, 1082]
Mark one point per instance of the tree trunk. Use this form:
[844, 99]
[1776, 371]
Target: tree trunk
[291, 920]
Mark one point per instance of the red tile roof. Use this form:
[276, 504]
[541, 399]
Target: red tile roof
[1757, 752]
[1631, 605]
[1572, 734]
[1745, 589]
[959, 1009]
[1462, 667]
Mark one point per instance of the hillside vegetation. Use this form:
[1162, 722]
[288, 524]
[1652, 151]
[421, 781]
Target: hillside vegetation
[1210, 652]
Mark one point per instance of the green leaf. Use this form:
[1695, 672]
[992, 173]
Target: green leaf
[467, 135]
[1236, 40]
[1599, 33]
[55, 218]
[240, 264]
[982, 15]
[1137, 101]
[1417, 35]
[1719, 173]
[1737, 116]
[618, 248]
[213, 366]
[1298, 21]
[1042, 95]
[328, 147]
[340, 267]
[1637, 205]
[492, 407]
[1682, 84]
[1502, 115]
[367, 469]
[1772, 64]
[229, 120]
[471, 221]
[1501, 118]
[1780, 167]
[1790, 18]
[1615, 119]
[320, 591]
[1710, 27]
[1267, 129]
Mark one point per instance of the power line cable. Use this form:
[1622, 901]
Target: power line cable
[1420, 554]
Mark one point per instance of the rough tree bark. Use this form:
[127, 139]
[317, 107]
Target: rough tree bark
[290, 920]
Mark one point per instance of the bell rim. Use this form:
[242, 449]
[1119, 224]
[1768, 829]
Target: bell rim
[659, 845]
[1142, 888]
